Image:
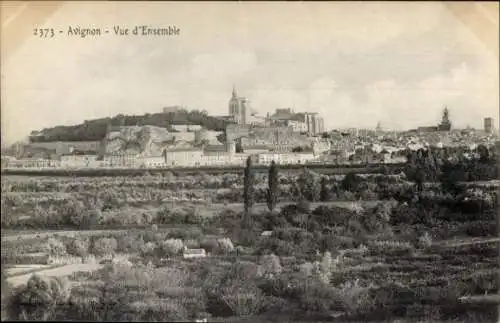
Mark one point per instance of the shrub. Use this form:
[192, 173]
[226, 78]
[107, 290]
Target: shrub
[37, 300]
[304, 206]
[172, 247]
[148, 249]
[369, 195]
[78, 247]
[356, 298]
[225, 246]
[72, 212]
[192, 244]
[306, 269]
[319, 299]
[425, 241]
[210, 245]
[348, 196]
[55, 247]
[90, 219]
[104, 246]
[331, 216]
[270, 266]
[129, 243]
[325, 268]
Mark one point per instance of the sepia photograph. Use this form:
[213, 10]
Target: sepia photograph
[250, 161]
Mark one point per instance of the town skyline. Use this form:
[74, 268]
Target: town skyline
[401, 72]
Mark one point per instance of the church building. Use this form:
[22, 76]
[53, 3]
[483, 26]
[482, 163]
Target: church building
[239, 109]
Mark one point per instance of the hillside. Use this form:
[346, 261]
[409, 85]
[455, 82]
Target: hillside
[94, 130]
[145, 140]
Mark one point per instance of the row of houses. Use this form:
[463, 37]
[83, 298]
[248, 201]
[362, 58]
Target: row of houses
[180, 157]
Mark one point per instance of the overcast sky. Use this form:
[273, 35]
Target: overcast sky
[354, 63]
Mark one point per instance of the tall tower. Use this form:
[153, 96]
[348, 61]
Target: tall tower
[489, 125]
[239, 108]
[445, 124]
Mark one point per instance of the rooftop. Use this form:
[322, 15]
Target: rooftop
[182, 149]
[215, 148]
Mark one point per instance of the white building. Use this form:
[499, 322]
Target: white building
[153, 162]
[183, 156]
[121, 160]
[33, 163]
[288, 158]
[186, 127]
[79, 161]
[194, 253]
[297, 126]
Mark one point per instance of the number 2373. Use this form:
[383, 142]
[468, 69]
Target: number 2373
[44, 33]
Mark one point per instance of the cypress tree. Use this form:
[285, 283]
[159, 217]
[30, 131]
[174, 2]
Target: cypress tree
[324, 190]
[248, 192]
[272, 190]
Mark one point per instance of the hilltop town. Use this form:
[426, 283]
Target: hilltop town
[177, 137]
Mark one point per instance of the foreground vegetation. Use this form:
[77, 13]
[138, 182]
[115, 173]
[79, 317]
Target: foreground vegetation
[293, 260]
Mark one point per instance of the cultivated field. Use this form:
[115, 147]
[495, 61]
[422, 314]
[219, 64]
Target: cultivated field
[354, 248]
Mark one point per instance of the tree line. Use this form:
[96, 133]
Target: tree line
[310, 187]
[450, 166]
[95, 130]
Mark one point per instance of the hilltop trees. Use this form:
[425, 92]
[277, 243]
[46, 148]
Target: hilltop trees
[93, 130]
[272, 190]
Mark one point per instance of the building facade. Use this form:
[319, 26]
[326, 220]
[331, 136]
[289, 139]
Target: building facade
[32, 163]
[186, 127]
[314, 123]
[78, 161]
[121, 160]
[284, 159]
[183, 156]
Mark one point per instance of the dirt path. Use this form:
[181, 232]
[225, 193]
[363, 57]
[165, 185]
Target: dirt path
[54, 272]
[451, 243]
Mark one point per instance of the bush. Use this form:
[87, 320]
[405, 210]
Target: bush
[210, 245]
[78, 247]
[192, 244]
[104, 246]
[425, 241]
[270, 266]
[319, 299]
[129, 243]
[172, 247]
[148, 249]
[55, 247]
[369, 195]
[225, 246]
[356, 298]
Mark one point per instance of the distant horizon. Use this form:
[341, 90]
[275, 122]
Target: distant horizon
[356, 64]
[260, 115]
